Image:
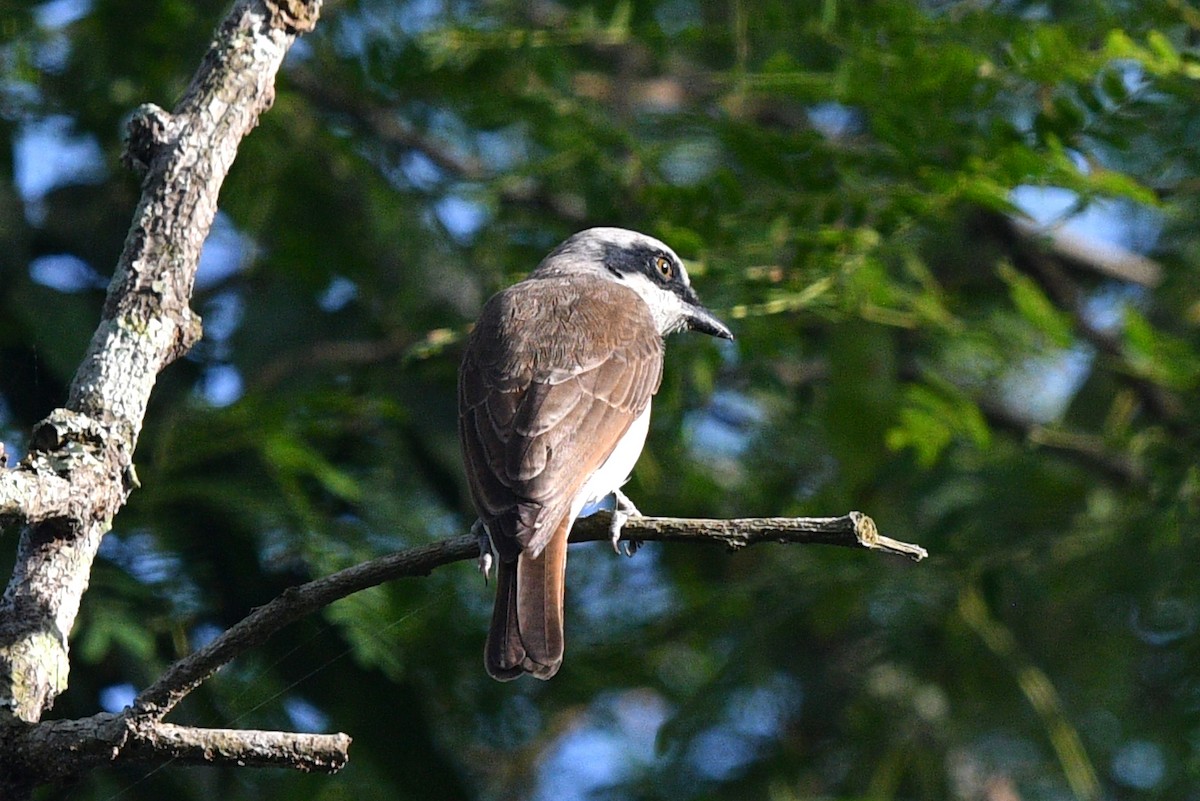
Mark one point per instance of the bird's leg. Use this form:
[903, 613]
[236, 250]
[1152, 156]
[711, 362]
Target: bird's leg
[479, 531]
[623, 509]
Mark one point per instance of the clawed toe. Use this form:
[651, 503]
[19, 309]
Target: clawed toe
[484, 560]
[624, 509]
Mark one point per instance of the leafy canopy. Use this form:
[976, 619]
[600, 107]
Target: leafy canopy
[848, 182]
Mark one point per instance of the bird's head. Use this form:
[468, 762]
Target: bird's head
[645, 265]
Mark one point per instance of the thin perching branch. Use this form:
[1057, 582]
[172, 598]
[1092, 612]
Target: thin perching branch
[854, 530]
[62, 748]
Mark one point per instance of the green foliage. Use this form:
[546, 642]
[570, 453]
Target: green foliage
[840, 179]
[932, 417]
[1039, 311]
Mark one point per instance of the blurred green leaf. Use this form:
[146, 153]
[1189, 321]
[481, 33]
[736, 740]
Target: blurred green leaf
[1035, 307]
[1159, 356]
[931, 418]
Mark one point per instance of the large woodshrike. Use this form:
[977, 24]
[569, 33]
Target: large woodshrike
[554, 405]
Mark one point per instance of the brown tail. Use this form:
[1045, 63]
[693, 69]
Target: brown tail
[526, 635]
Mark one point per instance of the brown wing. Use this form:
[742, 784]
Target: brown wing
[555, 372]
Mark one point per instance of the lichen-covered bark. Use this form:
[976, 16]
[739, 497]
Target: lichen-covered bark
[79, 471]
[64, 748]
[55, 554]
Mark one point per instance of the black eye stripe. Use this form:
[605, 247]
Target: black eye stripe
[644, 260]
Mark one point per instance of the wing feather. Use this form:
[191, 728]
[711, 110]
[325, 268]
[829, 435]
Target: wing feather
[555, 372]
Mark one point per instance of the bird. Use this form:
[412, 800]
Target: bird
[554, 396]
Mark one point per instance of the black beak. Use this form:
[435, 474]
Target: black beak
[702, 320]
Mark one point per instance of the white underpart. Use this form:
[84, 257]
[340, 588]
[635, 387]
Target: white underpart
[669, 311]
[616, 468]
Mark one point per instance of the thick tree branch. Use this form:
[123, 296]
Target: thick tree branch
[1108, 261]
[854, 530]
[1030, 256]
[79, 470]
[61, 749]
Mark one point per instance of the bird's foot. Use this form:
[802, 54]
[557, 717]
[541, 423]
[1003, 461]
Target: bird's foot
[485, 549]
[622, 511]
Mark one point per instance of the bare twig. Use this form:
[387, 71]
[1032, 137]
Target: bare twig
[1088, 450]
[386, 123]
[339, 353]
[155, 742]
[853, 530]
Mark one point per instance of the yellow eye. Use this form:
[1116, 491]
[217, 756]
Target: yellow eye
[665, 268]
